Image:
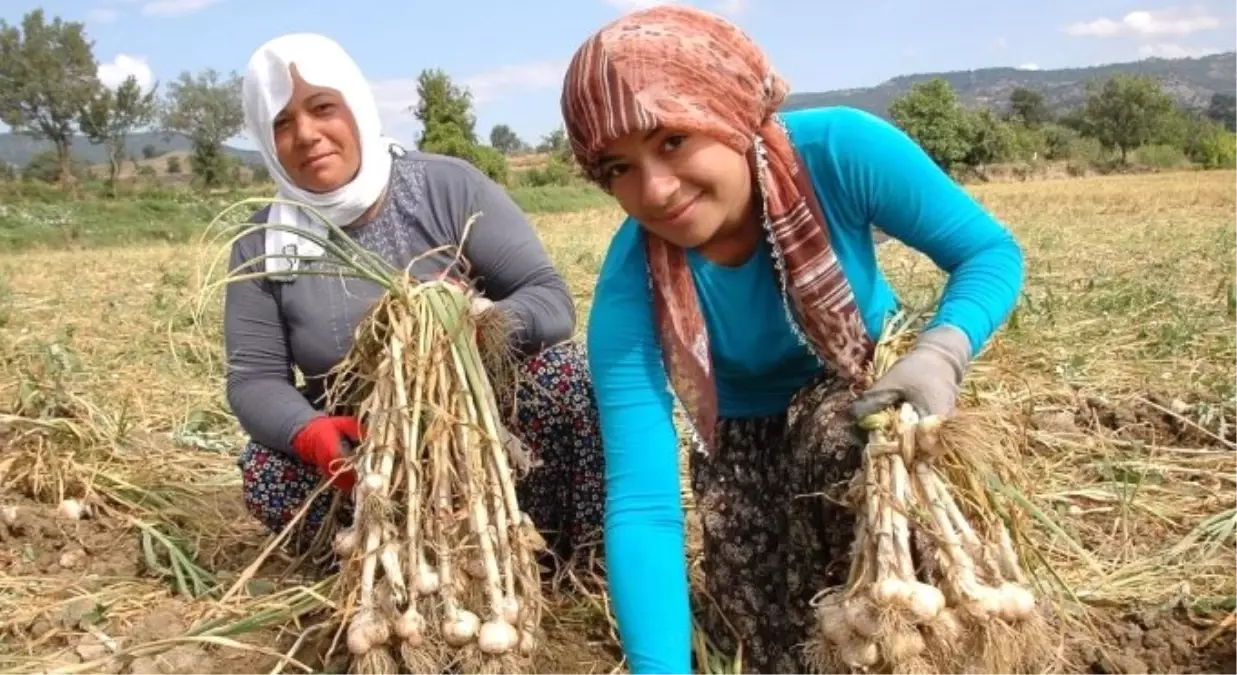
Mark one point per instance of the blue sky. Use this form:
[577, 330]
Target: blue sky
[512, 54]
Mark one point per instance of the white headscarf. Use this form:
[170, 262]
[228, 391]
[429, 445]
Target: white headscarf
[268, 85]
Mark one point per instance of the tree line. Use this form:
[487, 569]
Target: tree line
[50, 90]
[1121, 115]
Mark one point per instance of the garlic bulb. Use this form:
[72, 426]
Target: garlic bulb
[410, 627]
[346, 541]
[366, 631]
[462, 629]
[497, 637]
[72, 509]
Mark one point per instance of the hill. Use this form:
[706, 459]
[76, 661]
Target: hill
[1191, 81]
[17, 149]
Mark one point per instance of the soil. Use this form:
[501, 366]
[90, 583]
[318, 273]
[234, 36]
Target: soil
[78, 621]
[89, 554]
[1156, 642]
[90, 592]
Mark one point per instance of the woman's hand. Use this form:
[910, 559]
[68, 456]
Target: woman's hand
[927, 377]
[325, 442]
[480, 304]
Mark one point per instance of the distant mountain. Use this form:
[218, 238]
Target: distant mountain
[17, 148]
[1191, 81]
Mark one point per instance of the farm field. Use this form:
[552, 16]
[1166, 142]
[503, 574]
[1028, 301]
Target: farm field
[1118, 362]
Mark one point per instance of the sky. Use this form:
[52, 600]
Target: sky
[512, 55]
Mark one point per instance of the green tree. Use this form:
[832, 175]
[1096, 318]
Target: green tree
[503, 139]
[449, 127]
[1126, 112]
[445, 112]
[208, 110]
[149, 151]
[1207, 141]
[1057, 141]
[988, 139]
[1223, 109]
[931, 115]
[45, 167]
[1027, 107]
[172, 164]
[110, 116]
[555, 143]
[47, 76]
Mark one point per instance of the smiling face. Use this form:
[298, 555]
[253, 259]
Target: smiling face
[316, 138]
[688, 189]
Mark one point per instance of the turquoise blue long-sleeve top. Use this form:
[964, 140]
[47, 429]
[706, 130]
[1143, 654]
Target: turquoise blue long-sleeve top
[865, 172]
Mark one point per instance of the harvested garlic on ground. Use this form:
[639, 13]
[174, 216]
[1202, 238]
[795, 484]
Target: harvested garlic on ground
[427, 579]
[859, 654]
[891, 591]
[462, 629]
[831, 617]
[862, 617]
[410, 626]
[346, 541]
[1017, 603]
[366, 631]
[497, 637]
[72, 509]
[905, 645]
[8, 515]
[925, 601]
[375, 483]
[511, 610]
[946, 627]
[528, 642]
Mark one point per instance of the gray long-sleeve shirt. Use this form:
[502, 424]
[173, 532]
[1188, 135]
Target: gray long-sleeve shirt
[271, 326]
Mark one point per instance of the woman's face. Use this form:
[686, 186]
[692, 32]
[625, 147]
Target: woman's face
[685, 188]
[316, 138]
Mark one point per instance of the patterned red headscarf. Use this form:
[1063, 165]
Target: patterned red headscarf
[678, 67]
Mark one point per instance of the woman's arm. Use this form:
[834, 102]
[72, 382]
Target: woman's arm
[644, 516]
[504, 253]
[260, 387]
[892, 183]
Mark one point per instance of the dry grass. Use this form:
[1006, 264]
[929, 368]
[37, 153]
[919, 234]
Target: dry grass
[1119, 357]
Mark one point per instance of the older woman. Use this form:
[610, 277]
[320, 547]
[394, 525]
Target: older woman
[744, 283]
[310, 112]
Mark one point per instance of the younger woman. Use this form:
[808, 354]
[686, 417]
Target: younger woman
[744, 284]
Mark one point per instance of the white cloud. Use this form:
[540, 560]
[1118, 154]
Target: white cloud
[395, 98]
[102, 15]
[113, 73]
[1146, 23]
[1168, 50]
[494, 84]
[1029, 66]
[176, 7]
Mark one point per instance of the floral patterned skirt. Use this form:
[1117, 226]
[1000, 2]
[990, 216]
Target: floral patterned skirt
[555, 419]
[772, 536]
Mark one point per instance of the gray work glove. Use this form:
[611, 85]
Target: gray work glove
[927, 377]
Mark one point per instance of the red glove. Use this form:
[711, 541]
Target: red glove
[323, 443]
